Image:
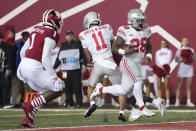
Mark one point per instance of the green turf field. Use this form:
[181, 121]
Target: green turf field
[10, 119]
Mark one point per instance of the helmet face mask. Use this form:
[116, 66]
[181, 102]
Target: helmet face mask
[53, 18]
[91, 18]
[137, 19]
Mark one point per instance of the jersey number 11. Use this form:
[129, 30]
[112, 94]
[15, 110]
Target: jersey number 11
[98, 47]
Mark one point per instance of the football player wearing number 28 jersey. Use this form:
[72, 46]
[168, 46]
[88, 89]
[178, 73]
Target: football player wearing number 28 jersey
[35, 67]
[133, 42]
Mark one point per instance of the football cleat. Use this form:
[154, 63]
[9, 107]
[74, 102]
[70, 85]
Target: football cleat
[190, 104]
[146, 112]
[162, 106]
[135, 114]
[26, 122]
[121, 117]
[29, 110]
[89, 112]
[96, 91]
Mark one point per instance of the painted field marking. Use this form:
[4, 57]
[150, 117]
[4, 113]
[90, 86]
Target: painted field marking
[17, 11]
[100, 110]
[66, 13]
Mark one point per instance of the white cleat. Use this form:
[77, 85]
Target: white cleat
[135, 114]
[96, 91]
[190, 104]
[147, 112]
[162, 106]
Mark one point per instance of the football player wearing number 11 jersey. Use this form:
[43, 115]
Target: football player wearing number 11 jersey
[96, 41]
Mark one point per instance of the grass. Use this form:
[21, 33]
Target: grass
[10, 119]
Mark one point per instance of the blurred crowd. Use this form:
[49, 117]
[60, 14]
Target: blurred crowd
[12, 90]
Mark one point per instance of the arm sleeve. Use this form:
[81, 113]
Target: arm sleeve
[57, 62]
[82, 54]
[82, 40]
[24, 49]
[49, 44]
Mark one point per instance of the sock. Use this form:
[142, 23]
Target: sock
[188, 100]
[121, 112]
[137, 92]
[114, 90]
[177, 101]
[37, 102]
[167, 101]
[92, 102]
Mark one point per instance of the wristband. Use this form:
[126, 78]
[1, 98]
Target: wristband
[121, 51]
[149, 55]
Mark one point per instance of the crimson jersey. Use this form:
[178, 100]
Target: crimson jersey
[37, 38]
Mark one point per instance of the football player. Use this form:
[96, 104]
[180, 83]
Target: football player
[96, 40]
[133, 42]
[35, 67]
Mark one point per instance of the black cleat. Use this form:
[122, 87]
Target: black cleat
[90, 111]
[121, 117]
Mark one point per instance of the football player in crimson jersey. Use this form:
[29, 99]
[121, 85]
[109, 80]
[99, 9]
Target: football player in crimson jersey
[133, 42]
[96, 41]
[35, 67]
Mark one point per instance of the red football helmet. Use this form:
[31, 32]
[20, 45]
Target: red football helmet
[53, 18]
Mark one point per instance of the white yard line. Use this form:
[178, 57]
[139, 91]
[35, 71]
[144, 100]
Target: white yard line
[17, 11]
[98, 110]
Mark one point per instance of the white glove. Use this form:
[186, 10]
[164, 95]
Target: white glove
[58, 84]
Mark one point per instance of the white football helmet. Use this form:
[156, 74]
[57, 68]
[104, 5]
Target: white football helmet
[137, 19]
[91, 18]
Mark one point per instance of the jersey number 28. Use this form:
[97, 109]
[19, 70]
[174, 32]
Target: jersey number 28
[140, 44]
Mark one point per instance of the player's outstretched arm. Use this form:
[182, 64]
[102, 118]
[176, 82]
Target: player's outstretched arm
[120, 47]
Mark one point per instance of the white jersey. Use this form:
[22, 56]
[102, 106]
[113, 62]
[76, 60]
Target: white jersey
[97, 41]
[185, 70]
[163, 56]
[136, 39]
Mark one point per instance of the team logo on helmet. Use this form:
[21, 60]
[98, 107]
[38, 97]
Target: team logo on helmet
[53, 18]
